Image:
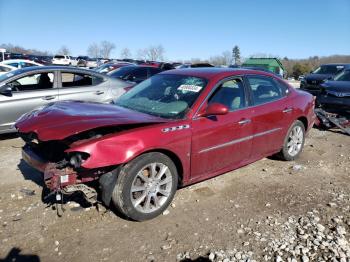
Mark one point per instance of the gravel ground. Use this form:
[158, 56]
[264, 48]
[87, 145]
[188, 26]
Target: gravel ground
[267, 211]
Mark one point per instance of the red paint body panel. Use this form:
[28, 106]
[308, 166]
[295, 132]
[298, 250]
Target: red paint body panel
[216, 142]
[64, 119]
[208, 146]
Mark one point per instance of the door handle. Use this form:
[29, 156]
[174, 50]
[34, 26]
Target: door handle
[99, 92]
[244, 122]
[49, 97]
[287, 110]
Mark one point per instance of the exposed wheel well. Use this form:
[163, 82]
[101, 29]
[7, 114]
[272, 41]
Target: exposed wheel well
[304, 121]
[175, 159]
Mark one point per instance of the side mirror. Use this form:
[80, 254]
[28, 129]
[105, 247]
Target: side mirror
[6, 91]
[214, 109]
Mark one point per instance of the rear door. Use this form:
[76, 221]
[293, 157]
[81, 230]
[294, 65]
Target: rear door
[82, 86]
[223, 141]
[272, 114]
[28, 92]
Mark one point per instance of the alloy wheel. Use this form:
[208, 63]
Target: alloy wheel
[295, 140]
[151, 187]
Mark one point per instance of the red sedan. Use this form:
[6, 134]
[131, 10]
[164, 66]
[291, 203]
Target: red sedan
[174, 129]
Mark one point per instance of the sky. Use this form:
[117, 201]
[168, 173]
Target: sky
[185, 28]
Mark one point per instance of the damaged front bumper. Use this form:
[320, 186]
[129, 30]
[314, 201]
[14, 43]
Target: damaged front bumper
[59, 178]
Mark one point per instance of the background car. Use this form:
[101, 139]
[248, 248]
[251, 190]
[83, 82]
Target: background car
[311, 82]
[134, 73]
[41, 59]
[92, 62]
[174, 129]
[20, 63]
[108, 67]
[195, 65]
[61, 60]
[25, 89]
[76, 60]
[6, 68]
[335, 93]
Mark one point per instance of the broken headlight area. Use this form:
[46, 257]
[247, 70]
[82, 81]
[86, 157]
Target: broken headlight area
[65, 182]
[63, 172]
[68, 177]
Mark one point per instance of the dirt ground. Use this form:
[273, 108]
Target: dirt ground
[224, 213]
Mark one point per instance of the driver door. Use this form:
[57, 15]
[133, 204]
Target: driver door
[223, 142]
[28, 92]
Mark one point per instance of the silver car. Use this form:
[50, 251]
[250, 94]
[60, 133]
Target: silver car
[25, 89]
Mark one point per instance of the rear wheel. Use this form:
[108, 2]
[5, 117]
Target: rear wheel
[294, 142]
[145, 186]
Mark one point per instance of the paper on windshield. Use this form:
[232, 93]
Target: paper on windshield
[191, 88]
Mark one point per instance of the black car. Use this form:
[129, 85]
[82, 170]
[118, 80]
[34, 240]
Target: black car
[311, 82]
[134, 73]
[335, 93]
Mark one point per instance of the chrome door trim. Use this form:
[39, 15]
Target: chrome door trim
[240, 140]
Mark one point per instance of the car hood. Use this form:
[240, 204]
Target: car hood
[317, 76]
[63, 119]
[337, 86]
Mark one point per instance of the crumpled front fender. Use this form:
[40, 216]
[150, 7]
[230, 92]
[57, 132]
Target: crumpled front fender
[109, 152]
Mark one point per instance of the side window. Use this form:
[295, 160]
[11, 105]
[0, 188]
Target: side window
[265, 89]
[139, 74]
[33, 82]
[153, 71]
[27, 64]
[14, 64]
[72, 80]
[230, 94]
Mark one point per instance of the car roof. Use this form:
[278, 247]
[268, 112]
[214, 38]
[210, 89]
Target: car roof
[211, 72]
[61, 68]
[19, 60]
[138, 66]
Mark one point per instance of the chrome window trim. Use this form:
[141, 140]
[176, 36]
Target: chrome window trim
[195, 117]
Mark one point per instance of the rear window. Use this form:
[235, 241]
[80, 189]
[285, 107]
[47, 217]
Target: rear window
[59, 56]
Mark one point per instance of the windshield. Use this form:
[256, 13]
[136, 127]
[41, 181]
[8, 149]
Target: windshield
[59, 56]
[343, 76]
[328, 69]
[167, 96]
[103, 68]
[122, 71]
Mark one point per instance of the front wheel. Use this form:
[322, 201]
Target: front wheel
[145, 186]
[294, 142]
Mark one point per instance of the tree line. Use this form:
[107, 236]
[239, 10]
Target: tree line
[294, 67]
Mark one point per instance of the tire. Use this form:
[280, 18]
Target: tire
[294, 142]
[145, 186]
